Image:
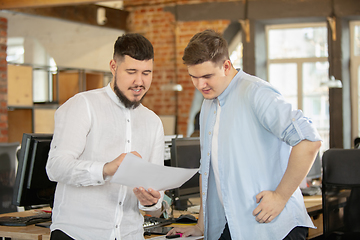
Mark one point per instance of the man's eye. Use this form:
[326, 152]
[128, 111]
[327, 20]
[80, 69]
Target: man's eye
[146, 73]
[131, 72]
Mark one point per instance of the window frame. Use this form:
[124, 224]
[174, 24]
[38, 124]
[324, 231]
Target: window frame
[354, 91]
[298, 61]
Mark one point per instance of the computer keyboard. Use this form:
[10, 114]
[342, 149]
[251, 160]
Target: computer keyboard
[24, 221]
[151, 222]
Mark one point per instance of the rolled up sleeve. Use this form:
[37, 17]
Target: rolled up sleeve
[278, 117]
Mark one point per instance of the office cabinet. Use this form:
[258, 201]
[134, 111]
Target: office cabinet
[20, 92]
[27, 116]
[19, 122]
[66, 83]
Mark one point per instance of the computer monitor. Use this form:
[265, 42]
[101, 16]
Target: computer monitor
[185, 153]
[32, 186]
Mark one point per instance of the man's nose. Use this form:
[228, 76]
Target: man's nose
[138, 79]
[202, 83]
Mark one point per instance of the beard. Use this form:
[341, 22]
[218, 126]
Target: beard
[127, 103]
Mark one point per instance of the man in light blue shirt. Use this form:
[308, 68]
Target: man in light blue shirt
[255, 151]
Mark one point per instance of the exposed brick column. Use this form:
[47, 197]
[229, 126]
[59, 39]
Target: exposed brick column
[158, 26]
[3, 82]
[184, 33]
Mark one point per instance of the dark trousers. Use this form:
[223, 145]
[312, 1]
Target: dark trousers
[226, 233]
[298, 233]
[59, 235]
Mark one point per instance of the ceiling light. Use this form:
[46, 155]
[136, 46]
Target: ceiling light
[332, 83]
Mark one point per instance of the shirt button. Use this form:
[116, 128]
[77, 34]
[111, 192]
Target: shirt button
[120, 203]
[128, 141]
[128, 120]
[203, 193]
[117, 226]
[293, 119]
[99, 182]
[209, 133]
[208, 154]
[214, 112]
[205, 173]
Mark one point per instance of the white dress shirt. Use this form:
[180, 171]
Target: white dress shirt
[93, 128]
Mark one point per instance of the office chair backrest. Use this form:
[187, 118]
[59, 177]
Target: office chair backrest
[340, 191]
[341, 166]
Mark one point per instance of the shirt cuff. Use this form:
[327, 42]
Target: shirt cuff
[301, 129]
[96, 173]
[157, 206]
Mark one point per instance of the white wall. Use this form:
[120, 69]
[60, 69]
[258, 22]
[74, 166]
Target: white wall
[70, 44]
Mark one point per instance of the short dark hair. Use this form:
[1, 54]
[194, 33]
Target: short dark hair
[134, 45]
[206, 46]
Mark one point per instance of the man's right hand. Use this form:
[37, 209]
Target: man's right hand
[111, 167]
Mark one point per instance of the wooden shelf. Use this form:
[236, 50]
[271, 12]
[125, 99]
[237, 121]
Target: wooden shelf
[25, 116]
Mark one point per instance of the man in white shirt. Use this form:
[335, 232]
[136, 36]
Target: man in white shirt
[94, 131]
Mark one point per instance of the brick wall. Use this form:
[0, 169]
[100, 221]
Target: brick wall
[3, 82]
[169, 38]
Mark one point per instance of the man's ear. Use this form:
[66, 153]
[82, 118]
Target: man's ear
[227, 66]
[112, 66]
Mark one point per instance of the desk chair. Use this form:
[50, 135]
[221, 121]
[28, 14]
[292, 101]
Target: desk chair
[341, 194]
[8, 165]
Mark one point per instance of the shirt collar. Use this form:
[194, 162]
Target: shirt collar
[223, 95]
[113, 96]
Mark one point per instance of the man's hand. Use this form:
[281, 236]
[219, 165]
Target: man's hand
[271, 205]
[147, 198]
[111, 167]
[186, 231]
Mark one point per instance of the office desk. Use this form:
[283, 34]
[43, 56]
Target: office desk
[30, 232]
[313, 205]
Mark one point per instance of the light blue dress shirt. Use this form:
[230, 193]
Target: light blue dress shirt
[257, 130]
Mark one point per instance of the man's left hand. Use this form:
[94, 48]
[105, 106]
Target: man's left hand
[270, 206]
[147, 197]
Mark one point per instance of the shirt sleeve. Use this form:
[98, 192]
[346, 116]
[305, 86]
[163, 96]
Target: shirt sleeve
[278, 117]
[72, 125]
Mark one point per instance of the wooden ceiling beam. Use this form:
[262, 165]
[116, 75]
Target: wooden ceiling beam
[87, 14]
[11, 4]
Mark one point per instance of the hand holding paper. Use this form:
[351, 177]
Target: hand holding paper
[136, 172]
[147, 197]
[111, 167]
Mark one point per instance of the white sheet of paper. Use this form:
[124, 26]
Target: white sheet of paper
[135, 172]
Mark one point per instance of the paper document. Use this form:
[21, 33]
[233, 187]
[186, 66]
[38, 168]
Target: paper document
[136, 172]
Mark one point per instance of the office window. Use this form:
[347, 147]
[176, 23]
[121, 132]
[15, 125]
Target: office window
[297, 64]
[236, 51]
[355, 76]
